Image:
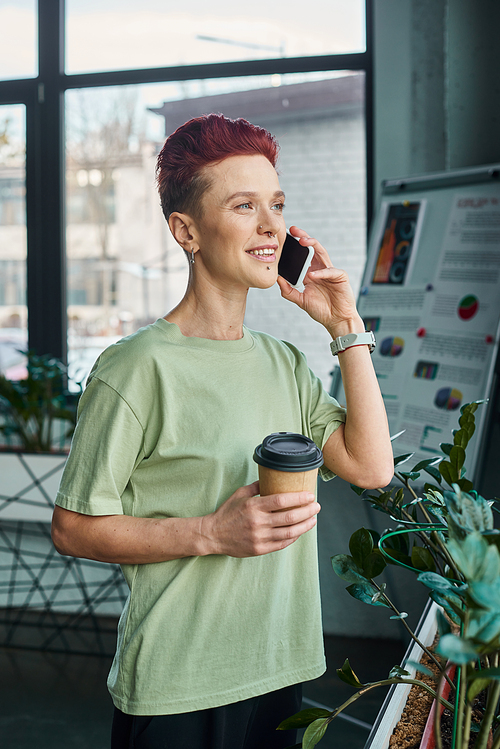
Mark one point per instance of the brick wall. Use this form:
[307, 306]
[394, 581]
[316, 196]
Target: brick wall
[322, 171]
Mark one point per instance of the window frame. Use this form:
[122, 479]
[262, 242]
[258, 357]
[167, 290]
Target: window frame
[43, 98]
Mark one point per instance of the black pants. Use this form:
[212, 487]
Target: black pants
[250, 724]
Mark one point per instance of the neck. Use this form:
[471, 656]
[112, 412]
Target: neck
[206, 311]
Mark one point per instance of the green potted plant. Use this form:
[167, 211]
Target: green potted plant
[444, 533]
[51, 602]
[30, 408]
[37, 419]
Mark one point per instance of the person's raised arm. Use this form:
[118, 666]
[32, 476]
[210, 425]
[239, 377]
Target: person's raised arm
[245, 525]
[359, 451]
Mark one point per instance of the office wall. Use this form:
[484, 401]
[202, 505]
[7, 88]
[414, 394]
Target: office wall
[437, 106]
[437, 85]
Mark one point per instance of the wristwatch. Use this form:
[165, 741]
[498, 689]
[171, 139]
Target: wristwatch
[344, 342]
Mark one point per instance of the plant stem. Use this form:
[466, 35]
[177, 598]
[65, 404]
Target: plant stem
[414, 636]
[466, 726]
[388, 682]
[437, 717]
[489, 714]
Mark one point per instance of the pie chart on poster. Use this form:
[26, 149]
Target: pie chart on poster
[449, 399]
[392, 346]
[468, 307]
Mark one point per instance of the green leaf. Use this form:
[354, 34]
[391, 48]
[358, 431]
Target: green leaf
[422, 559]
[465, 485]
[461, 438]
[445, 447]
[434, 472]
[314, 733]
[420, 667]
[374, 565]
[451, 604]
[399, 497]
[468, 512]
[485, 673]
[360, 545]
[457, 457]
[436, 582]
[346, 568]
[411, 476]
[448, 472]
[366, 593]
[476, 687]
[457, 649]
[425, 463]
[397, 556]
[398, 671]
[347, 675]
[402, 458]
[303, 719]
[476, 559]
[444, 626]
[484, 628]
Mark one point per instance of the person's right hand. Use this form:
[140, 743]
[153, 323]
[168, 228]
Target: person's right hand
[247, 525]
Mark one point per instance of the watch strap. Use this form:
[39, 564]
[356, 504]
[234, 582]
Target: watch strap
[344, 342]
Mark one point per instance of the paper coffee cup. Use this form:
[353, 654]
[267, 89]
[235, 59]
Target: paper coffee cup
[288, 462]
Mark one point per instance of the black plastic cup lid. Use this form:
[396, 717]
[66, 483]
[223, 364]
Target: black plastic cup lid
[287, 451]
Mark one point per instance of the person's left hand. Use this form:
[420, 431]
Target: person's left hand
[327, 297]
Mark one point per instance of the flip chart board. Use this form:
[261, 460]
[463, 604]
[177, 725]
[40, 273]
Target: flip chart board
[431, 295]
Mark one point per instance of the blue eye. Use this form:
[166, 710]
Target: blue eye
[243, 205]
[278, 206]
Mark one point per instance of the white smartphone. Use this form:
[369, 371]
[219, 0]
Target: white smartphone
[294, 261]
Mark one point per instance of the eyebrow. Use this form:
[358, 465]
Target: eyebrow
[250, 194]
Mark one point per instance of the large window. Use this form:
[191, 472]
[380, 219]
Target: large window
[13, 313]
[85, 254]
[18, 39]
[123, 34]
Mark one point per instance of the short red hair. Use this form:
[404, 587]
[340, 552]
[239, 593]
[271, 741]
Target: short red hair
[199, 142]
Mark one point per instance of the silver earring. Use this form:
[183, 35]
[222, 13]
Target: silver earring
[191, 259]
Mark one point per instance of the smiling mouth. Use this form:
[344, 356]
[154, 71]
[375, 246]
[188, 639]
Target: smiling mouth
[267, 255]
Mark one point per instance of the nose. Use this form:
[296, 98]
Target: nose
[270, 223]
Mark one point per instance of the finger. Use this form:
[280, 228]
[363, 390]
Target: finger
[289, 293]
[295, 516]
[321, 257]
[298, 233]
[286, 535]
[285, 501]
[330, 274]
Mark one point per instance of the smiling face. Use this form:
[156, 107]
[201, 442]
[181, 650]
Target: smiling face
[240, 230]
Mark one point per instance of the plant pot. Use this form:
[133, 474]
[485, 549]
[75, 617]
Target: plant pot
[29, 484]
[394, 703]
[49, 601]
[428, 737]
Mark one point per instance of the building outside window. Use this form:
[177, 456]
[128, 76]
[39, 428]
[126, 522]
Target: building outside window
[123, 269]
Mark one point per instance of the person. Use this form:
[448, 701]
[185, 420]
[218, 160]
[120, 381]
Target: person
[223, 621]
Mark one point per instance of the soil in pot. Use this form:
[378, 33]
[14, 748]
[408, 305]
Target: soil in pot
[409, 731]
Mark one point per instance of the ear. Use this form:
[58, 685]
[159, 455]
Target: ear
[184, 231]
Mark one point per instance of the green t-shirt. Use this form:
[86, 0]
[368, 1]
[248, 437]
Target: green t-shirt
[167, 428]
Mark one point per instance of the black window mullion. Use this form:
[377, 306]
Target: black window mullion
[45, 161]
[46, 282]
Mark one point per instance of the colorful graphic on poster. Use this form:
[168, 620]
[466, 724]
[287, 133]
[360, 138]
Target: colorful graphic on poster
[426, 370]
[372, 323]
[392, 346]
[449, 399]
[397, 243]
[468, 307]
